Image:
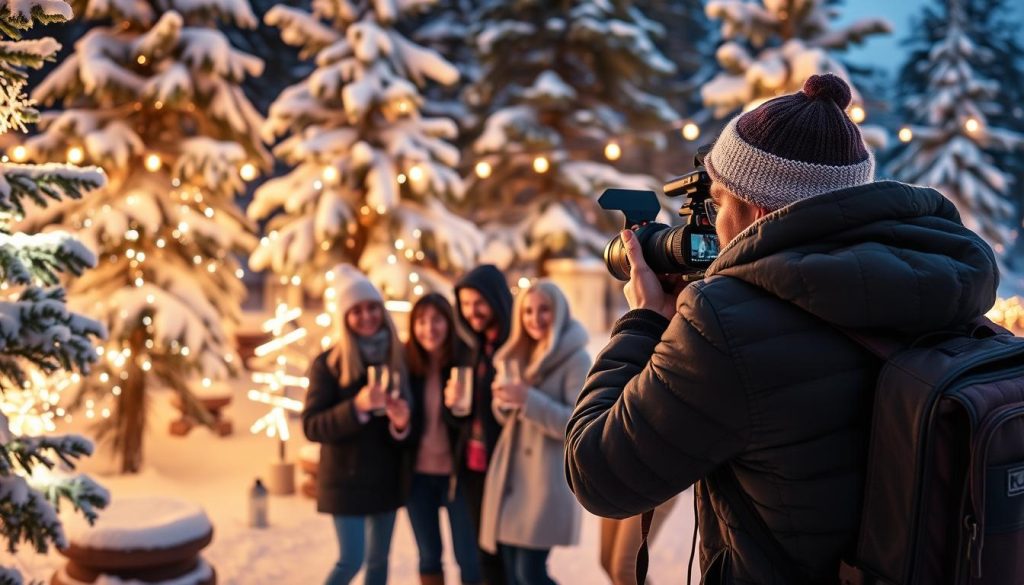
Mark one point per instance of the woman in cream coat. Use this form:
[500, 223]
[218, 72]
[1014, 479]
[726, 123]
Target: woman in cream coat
[527, 505]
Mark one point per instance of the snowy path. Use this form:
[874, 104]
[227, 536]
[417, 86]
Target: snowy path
[300, 546]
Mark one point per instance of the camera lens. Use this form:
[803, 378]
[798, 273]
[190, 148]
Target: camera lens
[661, 245]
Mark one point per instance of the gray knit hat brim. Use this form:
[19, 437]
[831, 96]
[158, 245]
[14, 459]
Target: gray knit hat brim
[772, 182]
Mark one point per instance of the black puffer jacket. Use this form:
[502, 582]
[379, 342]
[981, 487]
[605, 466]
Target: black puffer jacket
[750, 372]
[363, 467]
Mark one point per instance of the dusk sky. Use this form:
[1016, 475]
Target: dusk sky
[885, 50]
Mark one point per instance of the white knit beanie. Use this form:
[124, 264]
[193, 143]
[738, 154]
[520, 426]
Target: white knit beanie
[353, 288]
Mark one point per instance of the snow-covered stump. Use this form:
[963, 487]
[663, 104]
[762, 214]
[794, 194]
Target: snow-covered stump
[147, 539]
[214, 399]
[309, 463]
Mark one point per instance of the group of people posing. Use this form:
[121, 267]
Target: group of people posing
[469, 414]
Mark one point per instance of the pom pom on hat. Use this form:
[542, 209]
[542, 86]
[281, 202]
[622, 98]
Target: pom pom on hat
[828, 87]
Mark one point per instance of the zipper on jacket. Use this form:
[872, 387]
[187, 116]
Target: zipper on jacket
[975, 523]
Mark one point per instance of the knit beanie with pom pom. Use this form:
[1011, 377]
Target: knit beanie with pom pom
[793, 147]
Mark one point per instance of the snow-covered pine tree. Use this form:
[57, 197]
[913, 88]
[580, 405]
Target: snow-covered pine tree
[685, 39]
[152, 94]
[770, 47]
[37, 332]
[562, 83]
[373, 178]
[446, 28]
[950, 104]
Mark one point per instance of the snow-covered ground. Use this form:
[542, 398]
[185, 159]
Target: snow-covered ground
[299, 547]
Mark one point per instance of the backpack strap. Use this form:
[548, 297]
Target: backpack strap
[642, 556]
[723, 482]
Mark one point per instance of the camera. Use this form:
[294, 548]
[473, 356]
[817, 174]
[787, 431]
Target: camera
[687, 249]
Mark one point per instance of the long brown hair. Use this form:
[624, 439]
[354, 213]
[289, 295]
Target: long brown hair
[416, 356]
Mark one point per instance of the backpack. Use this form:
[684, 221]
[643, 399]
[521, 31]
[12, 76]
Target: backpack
[944, 489]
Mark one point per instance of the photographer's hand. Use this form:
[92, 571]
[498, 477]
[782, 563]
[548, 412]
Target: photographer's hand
[645, 290]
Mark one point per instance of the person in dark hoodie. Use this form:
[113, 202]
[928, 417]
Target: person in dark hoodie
[744, 377]
[483, 318]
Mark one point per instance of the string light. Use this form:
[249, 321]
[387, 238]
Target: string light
[247, 172]
[691, 131]
[157, 105]
[416, 173]
[972, 125]
[906, 134]
[400, 178]
[153, 163]
[857, 114]
[330, 174]
[76, 155]
[612, 151]
[541, 165]
[19, 154]
[141, 60]
[483, 169]
[524, 282]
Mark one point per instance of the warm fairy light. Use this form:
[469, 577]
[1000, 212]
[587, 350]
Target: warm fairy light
[1008, 313]
[247, 172]
[414, 277]
[612, 151]
[239, 273]
[153, 163]
[417, 290]
[541, 164]
[19, 154]
[330, 174]
[691, 131]
[323, 320]
[76, 155]
[158, 105]
[483, 169]
[416, 173]
[401, 178]
[318, 184]
[392, 259]
[296, 280]
[279, 342]
[141, 60]
[524, 282]
[857, 114]
[906, 134]
[972, 125]
[399, 244]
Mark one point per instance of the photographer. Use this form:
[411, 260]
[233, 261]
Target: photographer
[742, 383]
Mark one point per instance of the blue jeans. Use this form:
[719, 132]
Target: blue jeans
[526, 566]
[429, 493]
[362, 537]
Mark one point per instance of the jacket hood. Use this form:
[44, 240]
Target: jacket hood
[491, 284]
[885, 256]
[568, 336]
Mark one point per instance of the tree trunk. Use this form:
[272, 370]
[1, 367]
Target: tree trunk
[131, 408]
